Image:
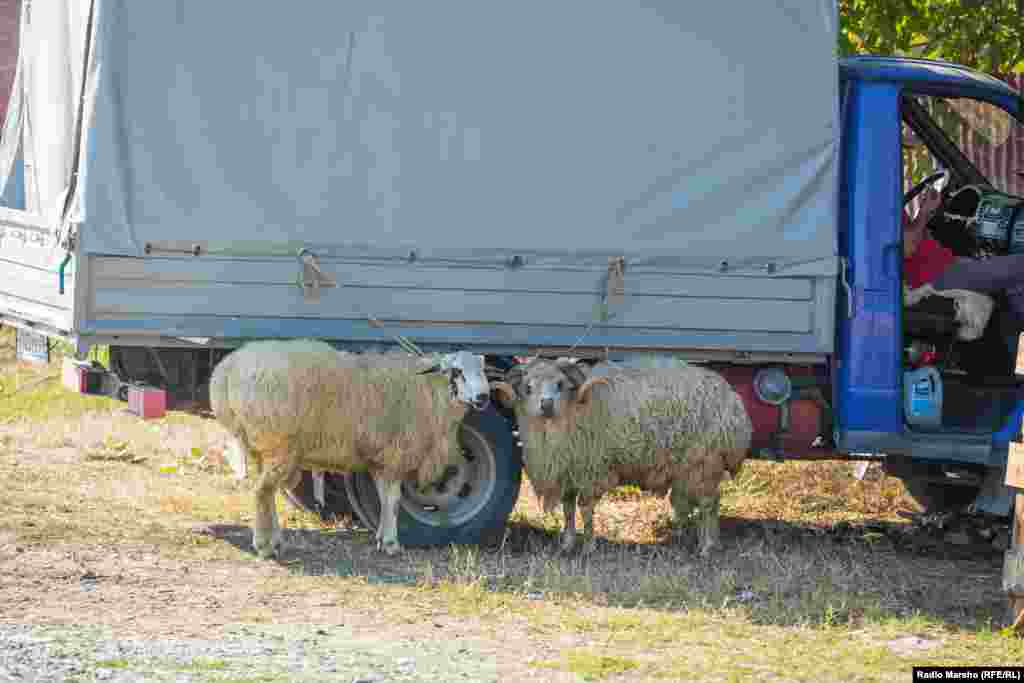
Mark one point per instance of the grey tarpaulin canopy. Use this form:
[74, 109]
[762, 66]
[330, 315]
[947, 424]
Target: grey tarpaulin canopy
[676, 134]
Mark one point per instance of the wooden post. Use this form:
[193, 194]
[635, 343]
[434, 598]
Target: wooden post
[1016, 551]
[1013, 566]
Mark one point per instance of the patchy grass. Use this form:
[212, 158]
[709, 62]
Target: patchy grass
[113, 664]
[589, 665]
[200, 664]
[197, 666]
[32, 392]
[788, 596]
[26, 394]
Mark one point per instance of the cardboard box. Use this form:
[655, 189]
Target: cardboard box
[147, 402]
[1015, 466]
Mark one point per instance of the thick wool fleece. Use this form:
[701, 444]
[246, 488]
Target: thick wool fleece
[645, 427]
[304, 399]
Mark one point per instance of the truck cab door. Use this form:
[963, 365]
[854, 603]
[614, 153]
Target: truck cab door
[867, 386]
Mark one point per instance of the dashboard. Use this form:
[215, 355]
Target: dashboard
[981, 223]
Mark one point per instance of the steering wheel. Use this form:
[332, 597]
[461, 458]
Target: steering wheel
[919, 188]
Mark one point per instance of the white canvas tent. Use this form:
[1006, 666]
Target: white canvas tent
[675, 136]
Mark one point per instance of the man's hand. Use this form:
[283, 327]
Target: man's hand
[930, 202]
[914, 231]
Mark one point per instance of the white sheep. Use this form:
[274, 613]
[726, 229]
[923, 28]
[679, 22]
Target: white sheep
[679, 428]
[294, 405]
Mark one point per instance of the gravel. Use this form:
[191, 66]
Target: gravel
[250, 653]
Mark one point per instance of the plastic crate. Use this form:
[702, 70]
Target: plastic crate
[146, 401]
[81, 377]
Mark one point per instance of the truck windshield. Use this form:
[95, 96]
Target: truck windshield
[988, 136]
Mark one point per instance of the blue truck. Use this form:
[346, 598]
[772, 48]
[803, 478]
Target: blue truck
[636, 183]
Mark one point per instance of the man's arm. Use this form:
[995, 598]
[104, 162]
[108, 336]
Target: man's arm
[930, 202]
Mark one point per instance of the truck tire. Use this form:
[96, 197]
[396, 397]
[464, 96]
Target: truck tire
[336, 503]
[471, 503]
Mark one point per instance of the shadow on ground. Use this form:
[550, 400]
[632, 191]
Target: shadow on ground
[782, 573]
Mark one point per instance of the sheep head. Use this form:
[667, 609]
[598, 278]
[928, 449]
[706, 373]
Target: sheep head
[544, 388]
[466, 376]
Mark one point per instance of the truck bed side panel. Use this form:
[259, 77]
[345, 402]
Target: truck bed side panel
[204, 296]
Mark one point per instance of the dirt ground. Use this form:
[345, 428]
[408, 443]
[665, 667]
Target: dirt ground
[139, 591]
[125, 554]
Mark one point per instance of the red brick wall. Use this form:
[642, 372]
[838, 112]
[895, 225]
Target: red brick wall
[1009, 158]
[1000, 161]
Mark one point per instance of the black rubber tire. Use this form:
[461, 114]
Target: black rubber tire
[481, 514]
[336, 503]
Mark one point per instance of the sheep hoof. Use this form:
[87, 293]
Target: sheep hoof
[266, 551]
[707, 550]
[567, 544]
[269, 549]
[708, 546]
[389, 547]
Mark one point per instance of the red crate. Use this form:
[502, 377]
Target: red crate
[81, 377]
[147, 402]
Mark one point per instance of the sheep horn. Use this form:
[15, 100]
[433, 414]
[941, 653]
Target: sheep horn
[573, 372]
[505, 393]
[514, 377]
[583, 393]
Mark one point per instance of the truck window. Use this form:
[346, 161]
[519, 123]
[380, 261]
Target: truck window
[918, 162]
[988, 136]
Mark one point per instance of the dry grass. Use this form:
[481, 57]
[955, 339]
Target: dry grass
[811, 584]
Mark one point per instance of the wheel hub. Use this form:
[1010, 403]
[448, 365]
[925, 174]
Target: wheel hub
[456, 497]
[445, 493]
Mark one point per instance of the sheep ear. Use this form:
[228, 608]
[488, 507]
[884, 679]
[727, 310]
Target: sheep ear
[505, 394]
[583, 393]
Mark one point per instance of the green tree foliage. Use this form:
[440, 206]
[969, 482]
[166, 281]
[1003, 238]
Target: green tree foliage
[985, 34]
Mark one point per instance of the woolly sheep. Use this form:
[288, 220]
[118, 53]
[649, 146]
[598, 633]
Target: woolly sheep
[679, 428]
[294, 405]
[466, 372]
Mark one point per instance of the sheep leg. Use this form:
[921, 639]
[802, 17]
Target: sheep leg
[704, 510]
[266, 532]
[237, 457]
[683, 506]
[590, 540]
[708, 528]
[390, 493]
[568, 540]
